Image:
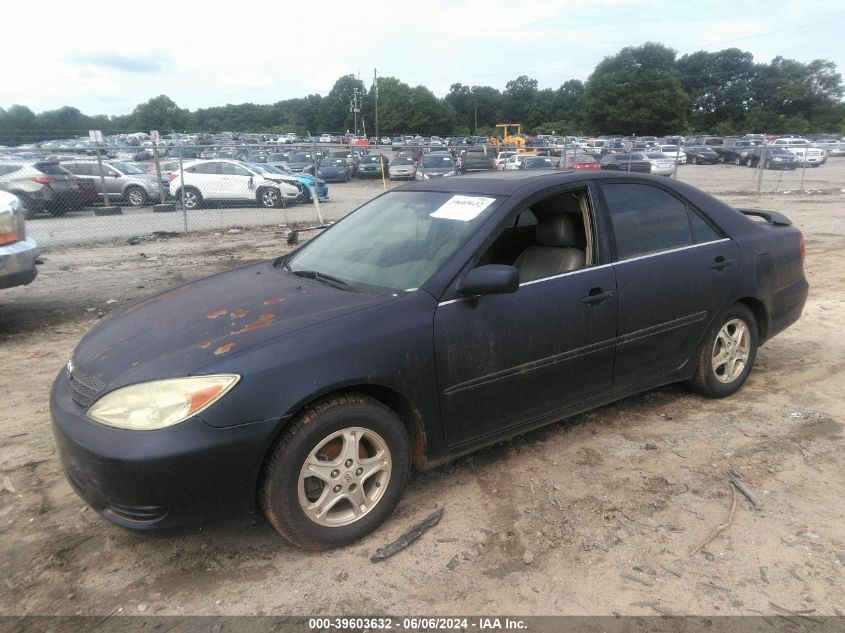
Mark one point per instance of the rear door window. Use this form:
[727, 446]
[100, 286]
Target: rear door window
[645, 219]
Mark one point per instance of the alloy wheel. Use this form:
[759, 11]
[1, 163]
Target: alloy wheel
[731, 350]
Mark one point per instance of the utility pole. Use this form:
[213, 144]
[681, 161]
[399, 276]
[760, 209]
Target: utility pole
[375, 88]
[353, 107]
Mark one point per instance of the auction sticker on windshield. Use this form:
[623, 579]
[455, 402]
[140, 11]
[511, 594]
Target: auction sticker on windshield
[463, 208]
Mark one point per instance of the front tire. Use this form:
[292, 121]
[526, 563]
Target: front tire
[694, 160]
[270, 198]
[337, 472]
[136, 197]
[727, 354]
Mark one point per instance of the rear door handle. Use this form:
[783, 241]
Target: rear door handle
[597, 295]
[720, 263]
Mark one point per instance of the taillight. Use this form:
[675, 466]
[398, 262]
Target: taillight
[172, 176]
[802, 248]
[8, 232]
[44, 180]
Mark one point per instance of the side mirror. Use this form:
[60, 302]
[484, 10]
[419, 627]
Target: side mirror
[492, 279]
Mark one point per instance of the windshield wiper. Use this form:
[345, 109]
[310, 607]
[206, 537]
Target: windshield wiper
[329, 280]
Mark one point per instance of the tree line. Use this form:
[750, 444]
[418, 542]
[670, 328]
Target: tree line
[644, 89]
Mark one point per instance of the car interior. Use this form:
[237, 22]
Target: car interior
[551, 237]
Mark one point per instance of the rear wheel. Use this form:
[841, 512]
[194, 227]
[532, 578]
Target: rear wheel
[193, 198]
[767, 164]
[738, 161]
[727, 354]
[337, 472]
[749, 162]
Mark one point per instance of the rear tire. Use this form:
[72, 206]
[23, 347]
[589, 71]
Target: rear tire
[193, 198]
[727, 354]
[737, 161]
[693, 160]
[337, 472]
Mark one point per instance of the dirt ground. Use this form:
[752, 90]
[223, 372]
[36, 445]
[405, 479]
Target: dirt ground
[595, 515]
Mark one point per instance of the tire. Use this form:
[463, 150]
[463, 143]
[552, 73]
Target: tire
[303, 196]
[723, 369]
[738, 161]
[767, 164]
[749, 162]
[269, 198]
[694, 160]
[320, 436]
[135, 196]
[193, 198]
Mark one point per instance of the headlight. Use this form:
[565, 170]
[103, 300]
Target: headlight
[148, 406]
[8, 227]
[451, 173]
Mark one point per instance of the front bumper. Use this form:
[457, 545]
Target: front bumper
[17, 263]
[188, 473]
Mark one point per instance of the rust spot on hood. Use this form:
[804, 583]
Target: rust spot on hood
[217, 313]
[265, 319]
[239, 314]
[162, 297]
[271, 302]
[223, 349]
[205, 345]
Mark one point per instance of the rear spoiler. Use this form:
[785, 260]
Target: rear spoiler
[772, 217]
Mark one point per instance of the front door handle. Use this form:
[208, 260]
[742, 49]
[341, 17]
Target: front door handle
[720, 263]
[597, 295]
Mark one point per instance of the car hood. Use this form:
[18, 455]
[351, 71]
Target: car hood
[181, 330]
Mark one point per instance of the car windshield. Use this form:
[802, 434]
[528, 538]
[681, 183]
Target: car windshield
[334, 162]
[657, 155]
[264, 168]
[278, 157]
[300, 158]
[126, 168]
[396, 242]
[583, 159]
[437, 161]
[402, 160]
[369, 159]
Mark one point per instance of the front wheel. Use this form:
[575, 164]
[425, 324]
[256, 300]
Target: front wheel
[337, 472]
[693, 160]
[727, 354]
[136, 196]
[270, 198]
[737, 161]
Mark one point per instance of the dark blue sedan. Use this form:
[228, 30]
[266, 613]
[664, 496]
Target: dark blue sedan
[440, 317]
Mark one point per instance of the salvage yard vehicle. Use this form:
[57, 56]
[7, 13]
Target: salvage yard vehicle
[231, 180]
[700, 155]
[636, 162]
[439, 317]
[124, 181]
[806, 153]
[40, 185]
[403, 167]
[774, 157]
[17, 252]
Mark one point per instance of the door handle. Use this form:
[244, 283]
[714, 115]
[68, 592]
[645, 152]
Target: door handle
[597, 295]
[720, 263]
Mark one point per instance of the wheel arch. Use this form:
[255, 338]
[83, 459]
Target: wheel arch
[761, 316]
[398, 403]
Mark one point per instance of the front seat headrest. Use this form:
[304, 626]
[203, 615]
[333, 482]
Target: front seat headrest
[555, 230]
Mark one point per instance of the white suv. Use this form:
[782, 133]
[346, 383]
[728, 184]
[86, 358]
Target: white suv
[230, 180]
[807, 153]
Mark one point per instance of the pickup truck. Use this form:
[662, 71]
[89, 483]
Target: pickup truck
[17, 253]
[807, 153]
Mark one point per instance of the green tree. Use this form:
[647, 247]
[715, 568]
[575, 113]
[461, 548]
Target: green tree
[788, 96]
[334, 108]
[519, 100]
[18, 125]
[637, 91]
[719, 87]
[160, 113]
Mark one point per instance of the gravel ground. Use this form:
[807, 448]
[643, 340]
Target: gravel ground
[595, 515]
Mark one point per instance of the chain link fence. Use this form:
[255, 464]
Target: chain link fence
[77, 196]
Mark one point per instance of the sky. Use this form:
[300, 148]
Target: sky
[105, 59]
